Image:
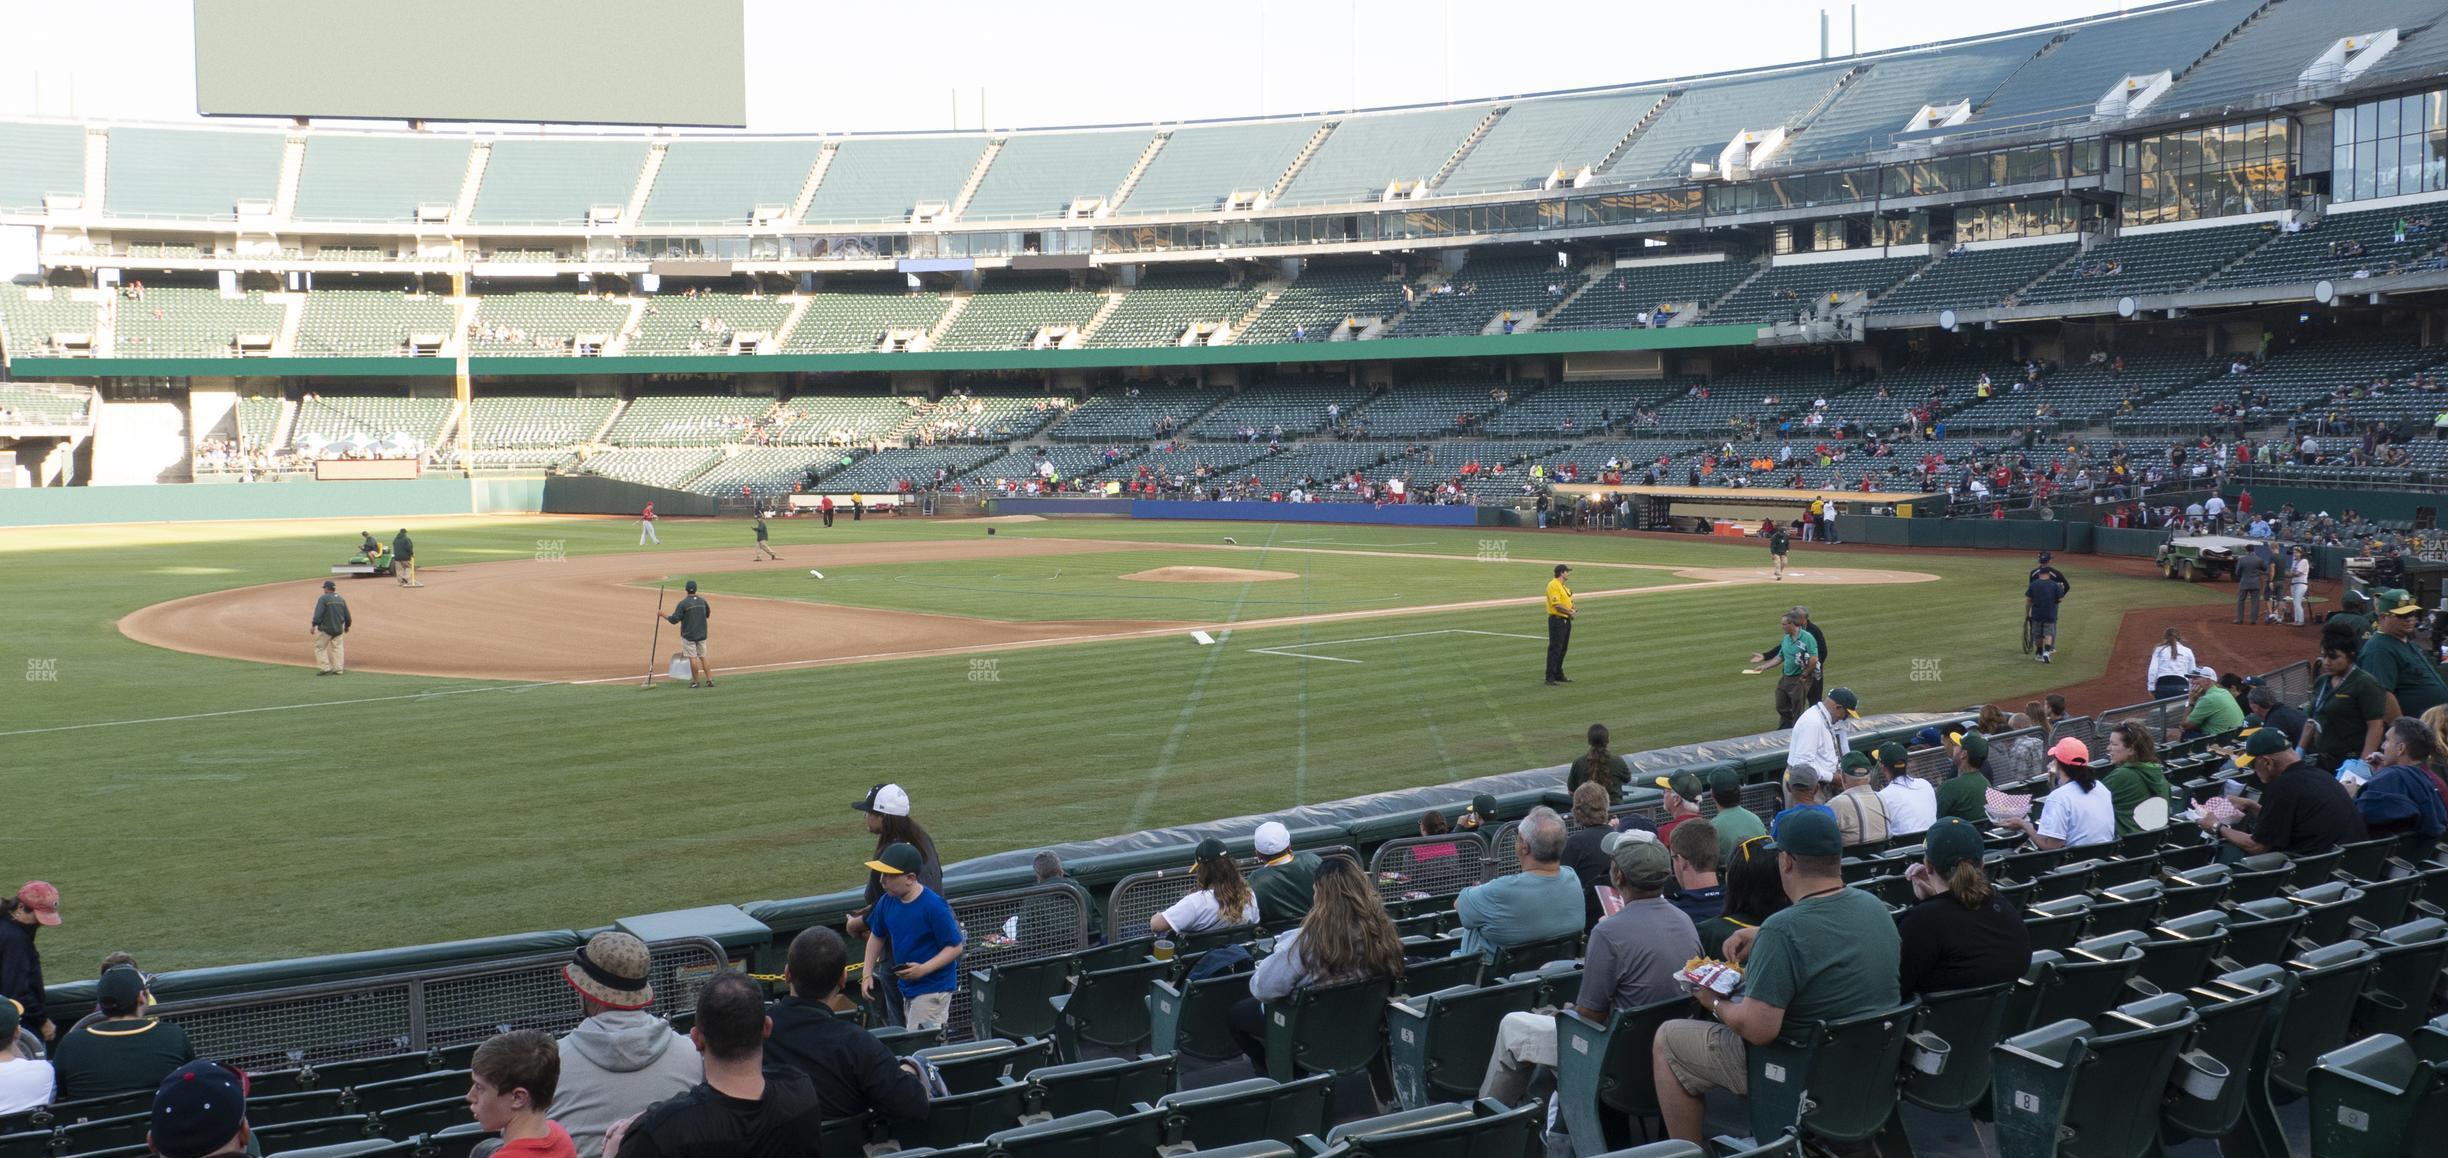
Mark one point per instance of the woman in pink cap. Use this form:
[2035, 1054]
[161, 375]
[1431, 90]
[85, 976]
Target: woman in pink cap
[21, 976]
[2079, 810]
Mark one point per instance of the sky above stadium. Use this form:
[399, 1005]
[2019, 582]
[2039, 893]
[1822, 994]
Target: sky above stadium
[831, 66]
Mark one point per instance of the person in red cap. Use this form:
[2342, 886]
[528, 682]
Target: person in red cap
[21, 975]
[2079, 810]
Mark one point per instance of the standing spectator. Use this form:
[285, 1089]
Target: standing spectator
[1912, 805]
[2134, 778]
[1632, 960]
[1965, 795]
[329, 622]
[1753, 892]
[2214, 708]
[2348, 707]
[2078, 812]
[622, 1058]
[1833, 954]
[1860, 814]
[200, 1112]
[1818, 742]
[1601, 764]
[1734, 823]
[1796, 658]
[1683, 792]
[1696, 890]
[1346, 936]
[917, 924]
[123, 1052]
[2252, 570]
[1538, 903]
[743, 1107]
[886, 808]
[35, 906]
[1960, 934]
[1584, 848]
[1284, 880]
[2405, 797]
[2302, 811]
[511, 1082]
[2299, 579]
[25, 1082]
[2392, 659]
[852, 1071]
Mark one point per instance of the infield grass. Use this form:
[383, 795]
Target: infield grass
[201, 811]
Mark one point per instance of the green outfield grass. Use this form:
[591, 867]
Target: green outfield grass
[198, 811]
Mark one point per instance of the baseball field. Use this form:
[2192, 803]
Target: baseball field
[493, 762]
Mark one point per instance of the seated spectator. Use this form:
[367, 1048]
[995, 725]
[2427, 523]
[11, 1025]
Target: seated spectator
[1600, 763]
[2134, 776]
[1222, 900]
[1859, 812]
[1538, 903]
[1346, 936]
[2301, 811]
[743, 1107]
[25, 1082]
[1683, 791]
[1912, 804]
[1281, 883]
[2079, 810]
[1433, 823]
[1752, 892]
[1733, 822]
[2404, 796]
[914, 924]
[510, 1086]
[1583, 851]
[1961, 934]
[1833, 954]
[1632, 960]
[1696, 891]
[199, 1111]
[2214, 708]
[852, 1071]
[622, 1058]
[123, 1052]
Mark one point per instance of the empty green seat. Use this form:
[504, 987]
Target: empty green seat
[1264, 1149]
[368, 1148]
[2239, 1013]
[903, 1042]
[1947, 1065]
[2384, 903]
[2125, 908]
[1010, 998]
[1099, 1083]
[1603, 1073]
[104, 1133]
[1481, 1129]
[1194, 1017]
[978, 1065]
[306, 1132]
[2260, 876]
[2056, 924]
[421, 1117]
[2367, 859]
[962, 1117]
[1442, 970]
[1529, 955]
[1106, 1007]
[2327, 907]
[2367, 1097]
[1249, 1110]
[2405, 972]
[2262, 932]
[390, 1093]
[2329, 983]
[1089, 1134]
[1834, 1080]
[2195, 890]
[2089, 1089]
[2076, 982]
[1337, 1029]
[1439, 1042]
[2179, 952]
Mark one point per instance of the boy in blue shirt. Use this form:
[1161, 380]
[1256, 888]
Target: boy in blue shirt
[917, 923]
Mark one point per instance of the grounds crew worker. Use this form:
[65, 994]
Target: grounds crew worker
[330, 622]
[403, 559]
[691, 616]
[1559, 624]
[763, 552]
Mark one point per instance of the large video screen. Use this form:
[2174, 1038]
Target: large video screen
[615, 62]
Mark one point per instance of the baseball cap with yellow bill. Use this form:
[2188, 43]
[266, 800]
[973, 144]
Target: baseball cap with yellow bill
[1844, 698]
[896, 860]
[2263, 742]
[1686, 784]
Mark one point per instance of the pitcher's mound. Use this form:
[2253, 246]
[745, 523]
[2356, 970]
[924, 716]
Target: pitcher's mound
[1207, 575]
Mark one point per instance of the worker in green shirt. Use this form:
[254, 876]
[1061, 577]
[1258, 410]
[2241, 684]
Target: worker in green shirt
[2390, 657]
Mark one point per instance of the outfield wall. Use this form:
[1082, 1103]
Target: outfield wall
[1400, 515]
[301, 499]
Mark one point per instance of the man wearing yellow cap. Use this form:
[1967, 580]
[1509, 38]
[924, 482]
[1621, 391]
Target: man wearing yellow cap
[2391, 658]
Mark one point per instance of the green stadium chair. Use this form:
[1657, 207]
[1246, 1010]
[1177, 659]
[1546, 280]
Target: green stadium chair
[2263, 931]
[2179, 952]
[302, 1133]
[321, 1103]
[2197, 890]
[2404, 976]
[2368, 860]
[1089, 1134]
[453, 1057]
[1193, 1018]
[1512, 959]
[2329, 983]
[1106, 1007]
[1481, 1129]
[1603, 1079]
[2029, 865]
[1009, 999]
[2431, 1041]
[2385, 903]
[970, 1066]
[1099, 1084]
[454, 1142]
[2240, 1015]
[2187, 859]
[1427, 924]
[1336, 1029]
[1947, 1066]
[2089, 1089]
[1249, 1110]
[958, 1119]
[423, 1117]
[2124, 909]
[369, 1148]
[2316, 868]
[2057, 924]
[2327, 908]
[1439, 1042]
[378, 1097]
[1439, 971]
[363, 1070]
[2367, 1097]
[1659, 1150]
[104, 1133]
[2114, 874]
[2259, 877]
[1835, 1081]
[2069, 880]
[2073, 982]
[904, 1042]
[93, 1109]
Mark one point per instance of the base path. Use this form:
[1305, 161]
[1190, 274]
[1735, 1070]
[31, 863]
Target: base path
[590, 617]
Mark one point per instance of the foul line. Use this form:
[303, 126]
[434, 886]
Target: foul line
[1289, 653]
[288, 707]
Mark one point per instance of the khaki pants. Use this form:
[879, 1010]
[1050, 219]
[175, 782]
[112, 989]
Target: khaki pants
[330, 653]
[407, 572]
[1704, 1056]
[1524, 1041]
[929, 1011]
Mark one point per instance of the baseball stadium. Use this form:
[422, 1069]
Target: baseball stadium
[1883, 603]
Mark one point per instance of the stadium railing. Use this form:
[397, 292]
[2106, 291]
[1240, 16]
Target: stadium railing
[1139, 896]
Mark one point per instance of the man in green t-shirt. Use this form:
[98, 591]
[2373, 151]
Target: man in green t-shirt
[1796, 659]
[2391, 658]
[1965, 795]
[691, 615]
[1734, 823]
[1831, 955]
[2214, 710]
[1285, 883]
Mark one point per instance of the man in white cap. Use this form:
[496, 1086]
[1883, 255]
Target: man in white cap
[623, 1057]
[2214, 709]
[1284, 883]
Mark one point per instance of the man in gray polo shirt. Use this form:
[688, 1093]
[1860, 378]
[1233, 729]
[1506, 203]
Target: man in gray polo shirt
[1632, 959]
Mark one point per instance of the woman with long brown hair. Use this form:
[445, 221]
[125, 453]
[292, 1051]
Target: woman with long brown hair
[1600, 764]
[2171, 666]
[1347, 936]
[1222, 899]
[1962, 934]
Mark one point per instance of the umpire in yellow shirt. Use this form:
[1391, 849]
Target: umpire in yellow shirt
[1559, 624]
